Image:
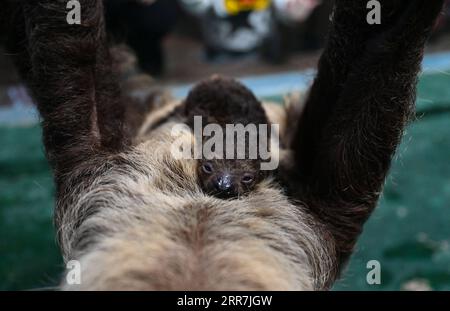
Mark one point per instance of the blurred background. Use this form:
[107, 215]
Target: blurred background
[273, 47]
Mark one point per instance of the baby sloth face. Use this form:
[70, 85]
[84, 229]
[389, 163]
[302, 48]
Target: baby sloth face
[228, 179]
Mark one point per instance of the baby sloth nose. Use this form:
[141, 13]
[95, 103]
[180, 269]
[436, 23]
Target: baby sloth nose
[224, 183]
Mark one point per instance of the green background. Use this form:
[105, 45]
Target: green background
[409, 233]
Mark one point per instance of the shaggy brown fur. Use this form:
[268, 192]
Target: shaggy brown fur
[135, 217]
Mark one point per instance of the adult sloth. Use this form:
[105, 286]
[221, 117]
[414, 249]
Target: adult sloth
[135, 217]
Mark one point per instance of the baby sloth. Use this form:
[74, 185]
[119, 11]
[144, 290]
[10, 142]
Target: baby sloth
[223, 102]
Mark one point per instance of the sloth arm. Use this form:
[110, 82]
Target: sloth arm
[356, 112]
[357, 108]
[71, 79]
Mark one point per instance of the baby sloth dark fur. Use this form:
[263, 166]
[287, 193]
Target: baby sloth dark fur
[225, 101]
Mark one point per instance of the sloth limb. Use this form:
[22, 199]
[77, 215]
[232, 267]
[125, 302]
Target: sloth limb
[357, 109]
[79, 101]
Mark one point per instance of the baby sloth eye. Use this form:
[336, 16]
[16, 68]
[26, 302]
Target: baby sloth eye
[247, 178]
[207, 168]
